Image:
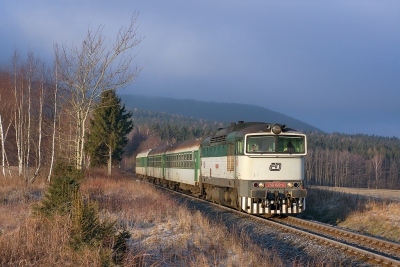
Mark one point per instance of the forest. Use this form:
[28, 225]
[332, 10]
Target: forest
[335, 159]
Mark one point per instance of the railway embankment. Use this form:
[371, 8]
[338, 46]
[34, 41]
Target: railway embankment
[374, 212]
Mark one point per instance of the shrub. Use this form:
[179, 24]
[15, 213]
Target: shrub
[59, 197]
[87, 231]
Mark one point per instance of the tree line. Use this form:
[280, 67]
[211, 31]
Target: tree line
[335, 159]
[353, 160]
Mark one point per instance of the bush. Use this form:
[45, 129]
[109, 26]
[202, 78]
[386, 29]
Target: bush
[59, 197]
[87, 231]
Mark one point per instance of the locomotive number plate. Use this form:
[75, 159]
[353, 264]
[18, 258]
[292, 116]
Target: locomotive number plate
[275, 184]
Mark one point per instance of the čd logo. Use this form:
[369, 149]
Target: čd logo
[275, 166]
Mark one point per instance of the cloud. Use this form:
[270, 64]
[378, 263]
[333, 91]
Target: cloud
[311, 60]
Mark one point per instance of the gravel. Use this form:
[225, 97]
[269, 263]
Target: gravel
[295, 250]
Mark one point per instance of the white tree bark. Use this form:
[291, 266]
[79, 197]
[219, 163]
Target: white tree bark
[18, 117]
[53, 142]
[86, 71]
[3, 151]
[40, 119]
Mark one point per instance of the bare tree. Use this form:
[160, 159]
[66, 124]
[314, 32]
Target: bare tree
[377, 165]
[5, 100]
[53, 142]
[86, 71]
[42, 81]
[30, 76]
[3, 137]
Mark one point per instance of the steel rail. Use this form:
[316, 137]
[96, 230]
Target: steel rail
[346, 234]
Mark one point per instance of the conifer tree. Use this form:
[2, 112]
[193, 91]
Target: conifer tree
[108, 129]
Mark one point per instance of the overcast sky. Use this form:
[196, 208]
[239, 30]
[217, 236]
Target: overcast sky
[332, 64]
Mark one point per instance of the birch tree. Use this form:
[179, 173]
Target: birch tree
[377, 165]
[3, 136]
[53, 138]
[6, 100]
[87, 70]
[41, 96]
[18, 113]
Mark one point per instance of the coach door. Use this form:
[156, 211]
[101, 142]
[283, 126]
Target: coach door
[196, 164]
[163, 160]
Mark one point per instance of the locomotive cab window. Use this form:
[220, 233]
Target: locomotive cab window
[291, 144]
[261, 144]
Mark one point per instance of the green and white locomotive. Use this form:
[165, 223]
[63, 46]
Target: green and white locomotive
[255, 167]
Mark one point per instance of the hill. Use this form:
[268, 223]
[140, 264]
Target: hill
[213, 111]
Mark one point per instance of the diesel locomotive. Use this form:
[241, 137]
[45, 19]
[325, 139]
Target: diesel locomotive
[254, 167]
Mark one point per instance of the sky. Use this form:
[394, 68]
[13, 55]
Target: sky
[332, 64]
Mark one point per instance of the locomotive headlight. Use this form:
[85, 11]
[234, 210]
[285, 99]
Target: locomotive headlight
[289, 185]
[255, 184]
[261, 185]
[276, 129]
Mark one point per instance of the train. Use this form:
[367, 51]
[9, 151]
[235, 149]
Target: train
[254, 167]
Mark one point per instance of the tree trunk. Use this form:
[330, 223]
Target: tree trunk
[3, 151]
[39, 146]
[109, 161]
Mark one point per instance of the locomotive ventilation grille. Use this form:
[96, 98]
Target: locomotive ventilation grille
[218, 139]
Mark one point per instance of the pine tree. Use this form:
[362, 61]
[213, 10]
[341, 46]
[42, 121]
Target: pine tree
[108, 129]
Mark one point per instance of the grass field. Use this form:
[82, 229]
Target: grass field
[163, 232]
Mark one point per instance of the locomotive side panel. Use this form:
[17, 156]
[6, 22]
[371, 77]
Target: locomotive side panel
[215, 167]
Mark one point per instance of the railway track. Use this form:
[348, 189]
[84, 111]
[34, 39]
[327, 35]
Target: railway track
[366, 248]
[373, 249]
[384, 247]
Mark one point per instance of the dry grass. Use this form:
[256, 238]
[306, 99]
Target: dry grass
[380, 218]
[164, 233]
[26, 240]
[330, 206]
[16, 198]
[357, 212]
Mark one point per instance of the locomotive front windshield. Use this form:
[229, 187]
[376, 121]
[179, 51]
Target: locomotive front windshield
[275, 144]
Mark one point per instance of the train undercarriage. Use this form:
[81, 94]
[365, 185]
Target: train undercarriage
[272, 202]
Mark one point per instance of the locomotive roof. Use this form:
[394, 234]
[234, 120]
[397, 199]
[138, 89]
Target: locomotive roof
[228, 134]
